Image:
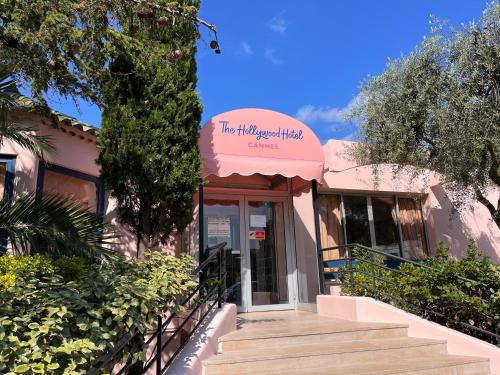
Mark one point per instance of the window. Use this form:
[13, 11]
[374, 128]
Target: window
[393, 224]
[331, 228]
[7, 173]
[86, 189]
[385, 224]
[73, 188]
[357, 226]
[412, 228]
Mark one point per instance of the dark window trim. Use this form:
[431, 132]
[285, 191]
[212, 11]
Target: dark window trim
[10, 161]
[8, 192]
[99, 183]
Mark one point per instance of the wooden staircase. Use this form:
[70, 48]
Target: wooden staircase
[297, 342]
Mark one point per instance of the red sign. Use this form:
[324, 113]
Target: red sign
[257, 234]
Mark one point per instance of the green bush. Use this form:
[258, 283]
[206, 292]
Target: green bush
[69, 268]
[443, 296]
[49, 325]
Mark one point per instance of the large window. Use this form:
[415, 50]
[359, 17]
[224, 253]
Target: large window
[392, 224]
[85, 189]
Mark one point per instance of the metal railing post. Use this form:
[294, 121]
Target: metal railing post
[351, 271]
[219, 279]
[158, 345]
[497, 331]
[372, 259]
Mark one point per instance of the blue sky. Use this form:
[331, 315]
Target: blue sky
[303, 58]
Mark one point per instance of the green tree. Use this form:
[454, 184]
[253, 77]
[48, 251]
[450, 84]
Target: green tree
[66, 45]
[439, 108]
[148, 141]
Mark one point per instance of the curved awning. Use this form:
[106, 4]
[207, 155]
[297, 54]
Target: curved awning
[248, 141]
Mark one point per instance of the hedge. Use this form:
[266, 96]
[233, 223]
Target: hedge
[51, 325]
[441, 296]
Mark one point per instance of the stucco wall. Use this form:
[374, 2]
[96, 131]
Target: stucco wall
[305, 246]
[443, 222]
[77, 150]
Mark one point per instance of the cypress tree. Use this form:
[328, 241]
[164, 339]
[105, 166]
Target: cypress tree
[149, 138]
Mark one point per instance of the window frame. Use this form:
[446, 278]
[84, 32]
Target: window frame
[98, 181]
[10, 174]
[8, 192]
[368, 198]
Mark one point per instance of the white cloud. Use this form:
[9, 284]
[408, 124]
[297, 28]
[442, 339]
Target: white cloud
[310, 114]
[246, 48]
[271, 56]
[278, 24]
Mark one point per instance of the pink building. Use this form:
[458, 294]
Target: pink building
[266, 176]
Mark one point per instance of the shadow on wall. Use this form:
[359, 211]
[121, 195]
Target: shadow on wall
[24, 182]
[456, 227]
[305, 247]
[125, 240]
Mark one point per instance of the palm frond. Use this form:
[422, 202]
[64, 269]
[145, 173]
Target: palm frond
[26, 137]
[55, 225]
[40, 145]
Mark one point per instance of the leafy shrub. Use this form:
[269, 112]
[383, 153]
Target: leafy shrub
[448, 292]
[69, 268]
[40, 264]
[48, 325]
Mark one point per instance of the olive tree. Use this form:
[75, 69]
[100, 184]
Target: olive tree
[438, 108]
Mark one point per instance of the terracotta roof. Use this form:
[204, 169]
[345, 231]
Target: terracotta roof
[29, 105]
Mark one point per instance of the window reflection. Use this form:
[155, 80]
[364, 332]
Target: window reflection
[222, 224]
[385, 224]
[356, 220]
[403, 235]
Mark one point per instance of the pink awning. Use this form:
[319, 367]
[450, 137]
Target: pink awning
[248, 141]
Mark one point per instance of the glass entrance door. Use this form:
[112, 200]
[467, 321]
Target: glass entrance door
[257, 257]
[267, 253]
[222, 223]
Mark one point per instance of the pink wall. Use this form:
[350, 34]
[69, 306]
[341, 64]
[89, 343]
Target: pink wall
[77, 150]
[443, 223]
[204, 343]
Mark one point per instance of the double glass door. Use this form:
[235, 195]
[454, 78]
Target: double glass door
[256, 258]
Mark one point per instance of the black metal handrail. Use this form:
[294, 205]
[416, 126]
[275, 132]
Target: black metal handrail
[209, 292]
[349, 266]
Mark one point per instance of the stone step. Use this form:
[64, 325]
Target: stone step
[310, 355]
[307, 332]
[424, 365]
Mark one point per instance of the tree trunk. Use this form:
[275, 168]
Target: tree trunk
[494, 212]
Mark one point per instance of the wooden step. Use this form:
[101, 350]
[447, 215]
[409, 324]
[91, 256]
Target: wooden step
[312, 332]
[425, 365]
[320, 354]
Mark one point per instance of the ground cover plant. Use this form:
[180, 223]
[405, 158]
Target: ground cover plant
[448, 292]
[60, 316]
